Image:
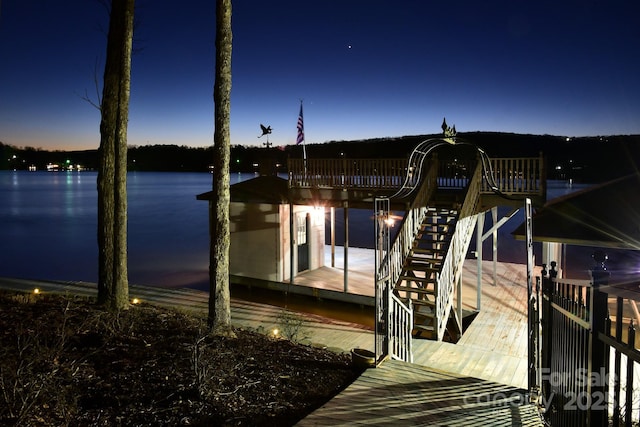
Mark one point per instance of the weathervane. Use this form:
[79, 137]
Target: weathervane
[266, 130]
[447, 130]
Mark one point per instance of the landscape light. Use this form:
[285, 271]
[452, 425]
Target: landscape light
[276, 332]
[135, 301]
[36, 291]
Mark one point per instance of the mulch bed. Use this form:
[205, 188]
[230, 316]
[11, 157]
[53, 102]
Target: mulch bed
[64, 361]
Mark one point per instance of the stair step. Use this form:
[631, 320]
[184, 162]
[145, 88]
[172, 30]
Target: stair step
[436, 225]
[418, 267]
[417, 279]
[429, 243]
[432, 256]
[426, 251]
[426, 244]
[429, 250]
[423, 303]
[425, 328]
[434, 234]
[422, 260]
[443, 208]
[420, 291]
[432, 219]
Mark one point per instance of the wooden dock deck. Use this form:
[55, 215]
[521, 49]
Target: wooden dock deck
[494, 347]
[403, 394]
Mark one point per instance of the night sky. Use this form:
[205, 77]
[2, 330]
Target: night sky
[364, 68]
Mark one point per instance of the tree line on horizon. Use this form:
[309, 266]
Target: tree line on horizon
[583, 159]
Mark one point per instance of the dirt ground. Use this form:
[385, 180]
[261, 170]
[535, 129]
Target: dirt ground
[63, 361]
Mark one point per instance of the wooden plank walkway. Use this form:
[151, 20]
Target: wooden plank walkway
[494, 347]
[339, 336]
[402, 394]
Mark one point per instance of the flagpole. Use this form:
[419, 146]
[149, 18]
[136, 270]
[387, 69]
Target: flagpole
[301, 140]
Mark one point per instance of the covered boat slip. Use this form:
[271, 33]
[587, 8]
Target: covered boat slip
[279, 243]
[271, 216]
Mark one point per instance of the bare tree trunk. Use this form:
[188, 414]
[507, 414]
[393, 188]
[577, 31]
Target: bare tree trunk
[219, 295]
[113, 283]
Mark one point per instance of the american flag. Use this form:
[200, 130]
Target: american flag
[300, 138]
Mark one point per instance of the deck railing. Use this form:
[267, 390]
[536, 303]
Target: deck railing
[587, 374]
[401, 325]
[520, 175]
[517, 176]
[566, 346]
[347, 173]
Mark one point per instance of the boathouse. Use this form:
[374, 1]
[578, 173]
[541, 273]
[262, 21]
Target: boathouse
[440, 193]
[272, 239]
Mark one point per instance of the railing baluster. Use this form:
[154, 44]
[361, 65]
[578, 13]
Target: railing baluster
[512, 175]
[628, 404]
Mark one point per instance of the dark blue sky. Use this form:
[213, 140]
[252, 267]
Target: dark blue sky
[365, 69]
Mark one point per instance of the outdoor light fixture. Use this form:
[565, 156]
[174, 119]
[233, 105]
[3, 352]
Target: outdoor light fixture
[276, 332]
[36, 291]
[135, 301]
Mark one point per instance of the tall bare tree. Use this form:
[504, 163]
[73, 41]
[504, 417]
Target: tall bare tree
[113, 282]
[219, 295]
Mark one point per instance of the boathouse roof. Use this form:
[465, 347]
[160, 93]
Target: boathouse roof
[262, 189]
[605, 215]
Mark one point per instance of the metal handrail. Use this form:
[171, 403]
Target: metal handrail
[455, 255]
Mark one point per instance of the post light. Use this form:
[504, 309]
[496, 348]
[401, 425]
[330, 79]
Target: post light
[389, 220]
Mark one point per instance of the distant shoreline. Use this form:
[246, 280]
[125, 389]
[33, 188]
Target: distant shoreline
[583, 159]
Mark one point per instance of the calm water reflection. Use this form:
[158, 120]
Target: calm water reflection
[48, 223]
[48, 226]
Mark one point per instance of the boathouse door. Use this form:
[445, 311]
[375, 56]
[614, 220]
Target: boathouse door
[303, 224]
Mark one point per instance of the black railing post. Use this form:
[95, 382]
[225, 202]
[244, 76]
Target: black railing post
[599, 361]
[617, 364]
[546, 336]
[534, 343]
[629, 389]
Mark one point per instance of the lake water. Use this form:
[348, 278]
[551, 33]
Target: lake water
[48, 226]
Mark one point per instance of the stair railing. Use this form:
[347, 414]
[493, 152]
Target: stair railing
[401, 325]
[456, 252]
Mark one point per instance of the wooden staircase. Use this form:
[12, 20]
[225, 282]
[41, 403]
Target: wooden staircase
[420, 271]
[419, 277]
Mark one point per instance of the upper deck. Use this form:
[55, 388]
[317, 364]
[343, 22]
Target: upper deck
[358, 181]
